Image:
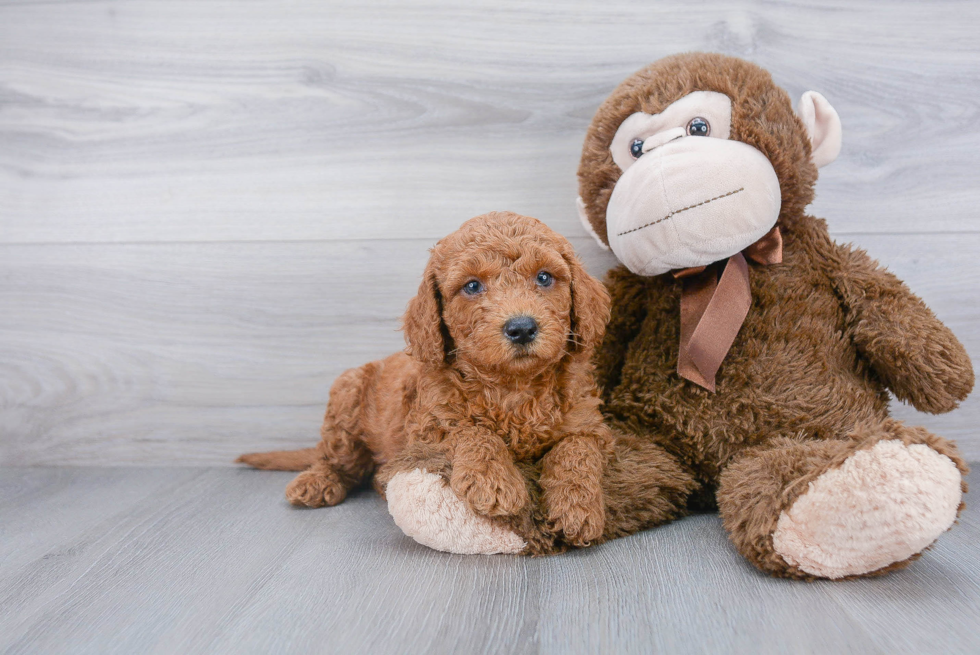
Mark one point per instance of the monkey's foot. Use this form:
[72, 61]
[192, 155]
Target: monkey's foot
[428, 511]
[883, 505]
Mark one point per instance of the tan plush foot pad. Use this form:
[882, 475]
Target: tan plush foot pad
[881, 506]
[428, 511]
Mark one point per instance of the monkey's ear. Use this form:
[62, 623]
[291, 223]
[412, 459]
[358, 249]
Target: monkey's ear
[590, 306]
[584, 217]
[425, 332]
[822, 125]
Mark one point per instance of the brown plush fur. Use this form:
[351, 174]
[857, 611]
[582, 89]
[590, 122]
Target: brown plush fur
[504, 424]
[828, 334]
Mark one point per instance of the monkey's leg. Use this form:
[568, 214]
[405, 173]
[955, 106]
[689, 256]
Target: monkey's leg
[643, 486]
[343, 459]
[863, 504]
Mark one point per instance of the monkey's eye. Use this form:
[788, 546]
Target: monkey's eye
[698, 127]
[636, 148]
[472, 287]
[544, 279]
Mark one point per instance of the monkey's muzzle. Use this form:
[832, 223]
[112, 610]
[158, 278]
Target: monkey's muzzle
[691, 202]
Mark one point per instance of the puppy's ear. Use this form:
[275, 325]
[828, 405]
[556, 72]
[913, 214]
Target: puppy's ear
[590, 306]
[425, 332]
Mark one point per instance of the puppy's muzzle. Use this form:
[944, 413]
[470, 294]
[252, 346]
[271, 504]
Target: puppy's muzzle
[521, 330]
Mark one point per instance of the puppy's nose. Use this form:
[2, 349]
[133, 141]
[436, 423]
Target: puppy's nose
[521, 329]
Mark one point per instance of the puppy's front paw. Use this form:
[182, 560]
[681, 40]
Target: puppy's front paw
[581, 520]
[428, 511]
[315, 489]
[494, 489]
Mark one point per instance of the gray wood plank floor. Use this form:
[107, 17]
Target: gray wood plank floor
[199, 560]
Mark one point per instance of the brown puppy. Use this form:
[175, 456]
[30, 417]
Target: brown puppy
[497, 373]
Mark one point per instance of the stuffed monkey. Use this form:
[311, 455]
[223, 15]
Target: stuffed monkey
[749, 346]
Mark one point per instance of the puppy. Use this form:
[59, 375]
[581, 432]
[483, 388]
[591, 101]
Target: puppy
[497, 374]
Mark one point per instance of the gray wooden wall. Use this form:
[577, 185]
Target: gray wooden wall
[209, 209]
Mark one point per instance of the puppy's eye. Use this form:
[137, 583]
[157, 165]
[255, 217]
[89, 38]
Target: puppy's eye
[636, 148]
[698, 127]
[472, 287]
[544, 279]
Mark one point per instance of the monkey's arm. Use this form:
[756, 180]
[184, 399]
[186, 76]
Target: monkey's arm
[911, 350]
[628, 294]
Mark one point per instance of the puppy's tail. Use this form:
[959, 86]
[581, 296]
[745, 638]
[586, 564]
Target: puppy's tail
[280, 460]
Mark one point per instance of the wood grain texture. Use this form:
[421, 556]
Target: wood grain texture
[192, 354]
[216, 120]
[214, 560]
[210, 209]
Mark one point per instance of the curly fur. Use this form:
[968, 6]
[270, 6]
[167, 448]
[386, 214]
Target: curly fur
[828, 334]
[515, 430]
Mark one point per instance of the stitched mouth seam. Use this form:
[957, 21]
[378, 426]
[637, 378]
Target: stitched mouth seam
[683, 209]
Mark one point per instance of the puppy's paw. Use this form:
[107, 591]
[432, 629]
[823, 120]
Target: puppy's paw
[495, 489]
[315, 489]
[427, 510]
[581, 520]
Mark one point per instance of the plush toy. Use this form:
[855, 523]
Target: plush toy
[746, 344]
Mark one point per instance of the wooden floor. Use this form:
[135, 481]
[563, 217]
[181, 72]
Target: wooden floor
[205, 560]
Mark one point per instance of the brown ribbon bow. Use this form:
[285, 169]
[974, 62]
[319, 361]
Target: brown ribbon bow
[714, 307]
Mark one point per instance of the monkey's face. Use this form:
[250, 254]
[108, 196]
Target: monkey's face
[687, 196]
[697, 157]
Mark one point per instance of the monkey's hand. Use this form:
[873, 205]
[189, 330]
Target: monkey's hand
[910, 349]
